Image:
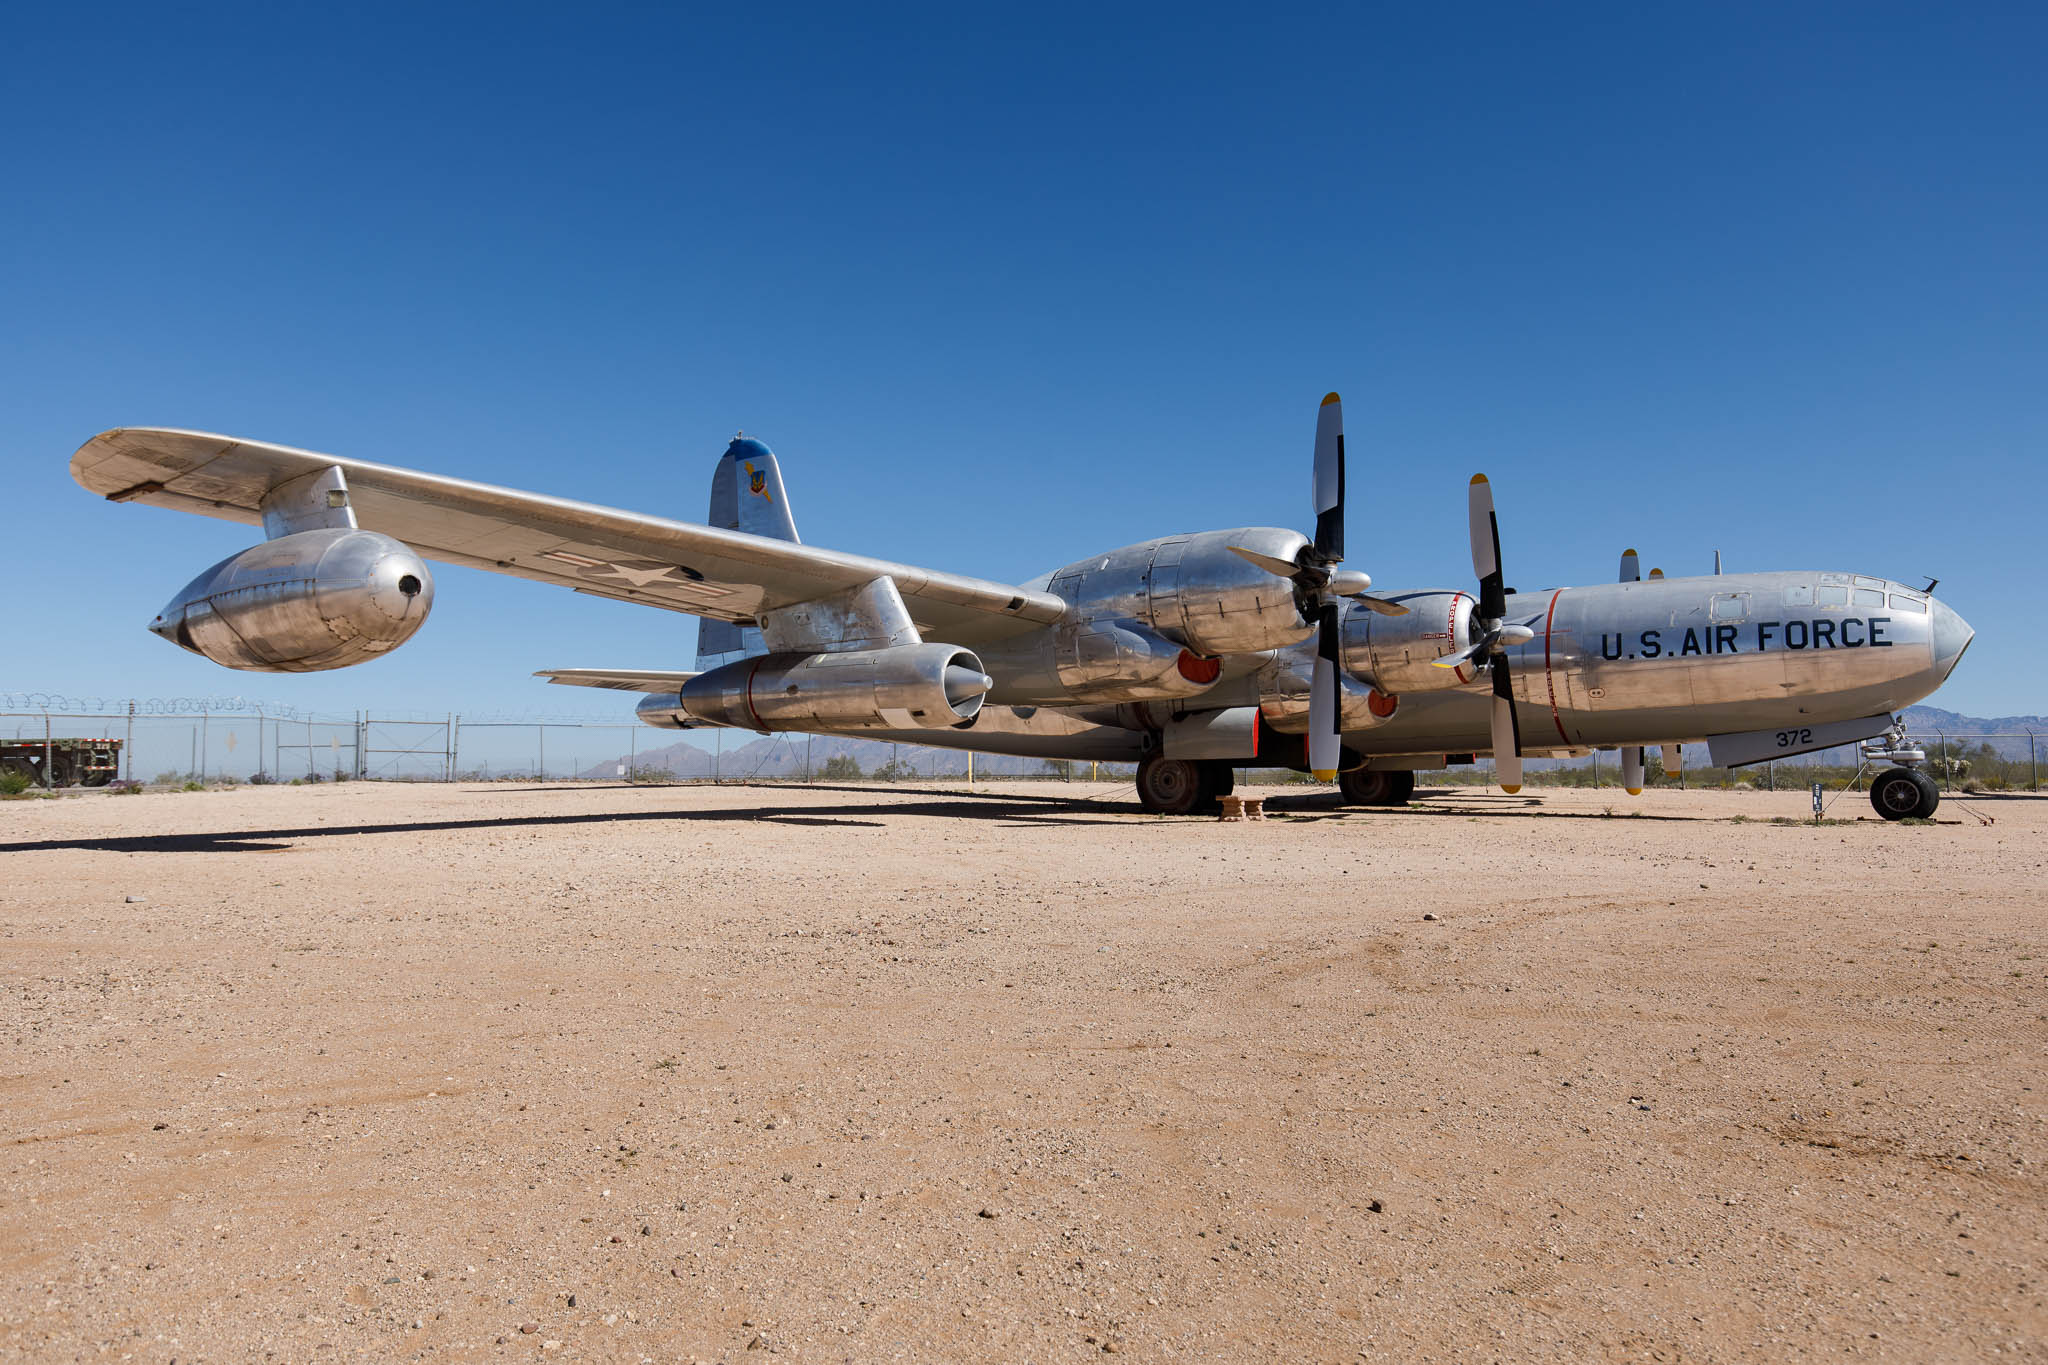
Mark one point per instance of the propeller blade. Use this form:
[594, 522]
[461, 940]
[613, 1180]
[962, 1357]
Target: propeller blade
[1486, 550]
[1325, 739]
[1632, 769]
[1656, 573]
[1507, 733]
[1329, 480]
[1279, 567]
[1631, 567]
[1380, 605]
[1461, 657]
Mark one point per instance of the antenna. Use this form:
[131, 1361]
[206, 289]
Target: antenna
[1717, 563]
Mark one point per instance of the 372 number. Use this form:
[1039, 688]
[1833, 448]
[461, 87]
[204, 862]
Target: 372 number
[1788, 738]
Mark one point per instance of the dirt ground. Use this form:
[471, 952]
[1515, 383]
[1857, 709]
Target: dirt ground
[838, 1073]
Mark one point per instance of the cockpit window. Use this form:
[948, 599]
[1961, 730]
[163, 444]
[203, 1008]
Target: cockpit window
[1901, 602]
[1831, 597]
[1869, 597]
[1863, 581]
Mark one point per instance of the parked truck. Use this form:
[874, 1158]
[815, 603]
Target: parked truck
[62, 762]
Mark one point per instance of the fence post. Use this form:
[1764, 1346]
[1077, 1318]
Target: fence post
[49, 779]
[541, 731]
[2033, 767]
[128, 749]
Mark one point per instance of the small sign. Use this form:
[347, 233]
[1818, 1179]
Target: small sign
[622, 770]
[1817, 805]
[231, 741]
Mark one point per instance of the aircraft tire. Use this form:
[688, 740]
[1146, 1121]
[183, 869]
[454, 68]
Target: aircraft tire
[1376, 787]
[1902, 793]
[1219, 779]
[1169, 786]
[1930, 792]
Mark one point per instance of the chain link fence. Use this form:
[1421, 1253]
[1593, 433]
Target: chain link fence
[210, 739]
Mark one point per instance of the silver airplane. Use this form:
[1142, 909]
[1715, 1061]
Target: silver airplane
[1189, 655]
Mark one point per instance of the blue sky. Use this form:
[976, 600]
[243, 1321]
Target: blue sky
[1005, 288]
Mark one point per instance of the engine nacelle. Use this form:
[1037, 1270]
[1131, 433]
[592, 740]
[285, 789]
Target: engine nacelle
[909, 687]
[303, 603]
[1398, 652]
[1193, 591]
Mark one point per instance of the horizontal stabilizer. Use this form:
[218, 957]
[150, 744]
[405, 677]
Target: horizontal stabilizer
[618, 679]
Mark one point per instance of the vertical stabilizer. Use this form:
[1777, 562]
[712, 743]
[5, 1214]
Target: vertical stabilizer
[746, 495]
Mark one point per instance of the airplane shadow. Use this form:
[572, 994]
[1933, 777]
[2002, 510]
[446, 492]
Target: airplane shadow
[1014, 809]
[1021, 810]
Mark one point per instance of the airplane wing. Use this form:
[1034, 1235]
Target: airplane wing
[618, 679]
[678, 566]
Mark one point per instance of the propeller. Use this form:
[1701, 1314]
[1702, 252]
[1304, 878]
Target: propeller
[1495, 635]
[1631, 754]
[1320, 587]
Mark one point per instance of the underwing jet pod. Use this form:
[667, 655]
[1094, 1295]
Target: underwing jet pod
[1190, 655]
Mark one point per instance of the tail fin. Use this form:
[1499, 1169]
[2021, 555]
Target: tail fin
[746, 495]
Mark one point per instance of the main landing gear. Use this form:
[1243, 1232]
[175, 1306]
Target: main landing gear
[1903, 792]
[1376, 787]
[1180, 786]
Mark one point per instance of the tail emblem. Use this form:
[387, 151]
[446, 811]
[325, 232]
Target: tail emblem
[757, 482]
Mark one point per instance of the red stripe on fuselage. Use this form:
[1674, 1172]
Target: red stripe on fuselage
[1549, 678]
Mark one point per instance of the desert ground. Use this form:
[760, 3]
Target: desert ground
[380, 1071]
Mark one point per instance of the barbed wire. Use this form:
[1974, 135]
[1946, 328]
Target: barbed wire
[151, 706]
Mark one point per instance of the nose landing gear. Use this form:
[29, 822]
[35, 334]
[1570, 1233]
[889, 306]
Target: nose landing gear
[1902, 792]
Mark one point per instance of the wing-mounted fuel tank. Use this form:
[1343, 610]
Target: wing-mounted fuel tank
[1396, 653]
[320, 594]
[908, 687]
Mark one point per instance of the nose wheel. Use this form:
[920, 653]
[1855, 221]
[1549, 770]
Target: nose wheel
[1904, 793]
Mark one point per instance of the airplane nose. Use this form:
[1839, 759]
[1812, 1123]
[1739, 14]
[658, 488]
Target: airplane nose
[1952, 635]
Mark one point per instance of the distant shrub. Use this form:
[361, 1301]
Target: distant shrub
[125, 788]
[13, 782]
[841, 768]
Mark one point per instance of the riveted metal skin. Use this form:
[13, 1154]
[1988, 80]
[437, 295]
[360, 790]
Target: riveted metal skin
[1285, 685]
[1397, 652]
[1193, 590]
[914, 687]
[302, 603]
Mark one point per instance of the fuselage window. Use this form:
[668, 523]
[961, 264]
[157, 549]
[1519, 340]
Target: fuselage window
[1731, 608]
[1831, 597]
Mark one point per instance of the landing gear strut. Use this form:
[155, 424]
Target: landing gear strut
[1376, 787]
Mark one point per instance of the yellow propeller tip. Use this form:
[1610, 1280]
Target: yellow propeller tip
[1633, 791]
[1321, 776]
[1511, 790]
[1330, 398]
[1479, 478]
[1630, 553]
